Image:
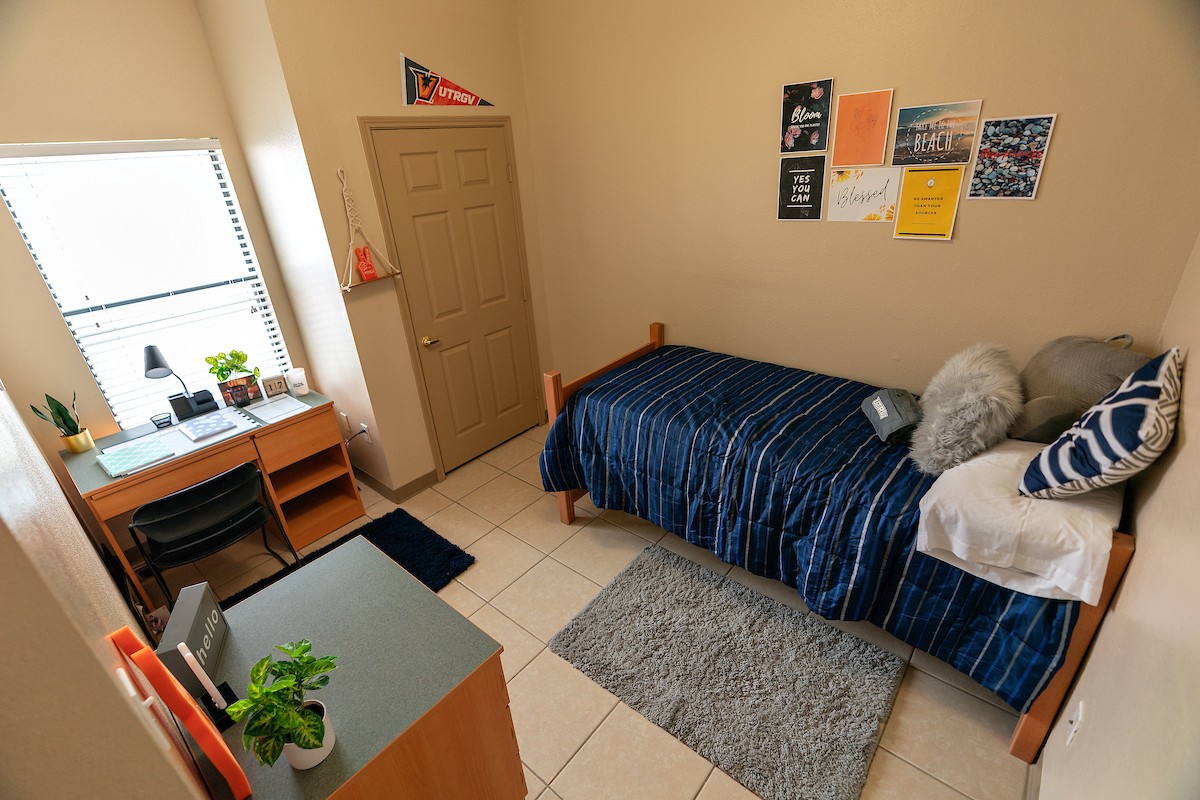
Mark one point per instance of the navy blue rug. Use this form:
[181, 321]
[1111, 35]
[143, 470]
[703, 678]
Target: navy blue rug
[409, 542]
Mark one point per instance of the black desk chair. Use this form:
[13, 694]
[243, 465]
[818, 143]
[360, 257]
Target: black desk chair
[198, 521]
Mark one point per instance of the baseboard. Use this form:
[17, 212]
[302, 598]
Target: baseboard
[1033, 781]
[400, 493]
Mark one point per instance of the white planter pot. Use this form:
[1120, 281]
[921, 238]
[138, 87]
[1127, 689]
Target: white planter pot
[300, 758]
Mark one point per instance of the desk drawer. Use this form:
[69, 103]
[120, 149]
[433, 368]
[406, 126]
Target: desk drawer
[180, 473]
[287, 443]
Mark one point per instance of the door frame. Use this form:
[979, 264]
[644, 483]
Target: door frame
[367, 127]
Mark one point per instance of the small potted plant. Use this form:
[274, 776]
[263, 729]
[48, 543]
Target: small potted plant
[278, 718]
[76, 439]
[227, 366]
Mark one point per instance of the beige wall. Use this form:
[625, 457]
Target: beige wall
[342, 61]
[655, 129]
[69, 729]
[71, 71]
[1141, 722]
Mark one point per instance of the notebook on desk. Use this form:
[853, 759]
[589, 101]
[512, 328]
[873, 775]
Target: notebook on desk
[203, 427]
[135, 455]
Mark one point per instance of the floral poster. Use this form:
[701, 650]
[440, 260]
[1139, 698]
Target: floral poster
[861, 132]
[928, 203]
[1008, 164]
[801, 187]
[936, 134]
[805, 121]
[863, 195]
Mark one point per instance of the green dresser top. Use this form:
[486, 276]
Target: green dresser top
[400, 650]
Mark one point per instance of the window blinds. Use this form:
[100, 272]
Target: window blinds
[143, 243]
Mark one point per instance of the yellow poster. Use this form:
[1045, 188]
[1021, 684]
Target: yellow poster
[928, 202]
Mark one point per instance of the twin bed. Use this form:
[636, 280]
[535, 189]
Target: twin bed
[776, 470]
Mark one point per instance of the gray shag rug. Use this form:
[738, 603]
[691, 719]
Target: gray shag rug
[788, 706]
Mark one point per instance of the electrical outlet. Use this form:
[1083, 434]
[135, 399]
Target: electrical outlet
[1074, 722]
[366, 432]
[345, 422]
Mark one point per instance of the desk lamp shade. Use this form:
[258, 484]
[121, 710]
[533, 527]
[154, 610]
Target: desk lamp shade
[184, 405]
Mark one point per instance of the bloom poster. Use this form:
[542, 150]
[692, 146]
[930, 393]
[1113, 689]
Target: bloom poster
[937, 134]
[801, 187]
[863, 195]
[928, 203]
[805, 122]
[1008, 164]
[860, 135]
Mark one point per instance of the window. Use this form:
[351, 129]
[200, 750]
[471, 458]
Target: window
[143, 243]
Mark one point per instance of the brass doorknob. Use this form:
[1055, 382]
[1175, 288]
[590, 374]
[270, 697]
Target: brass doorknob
[427, 342]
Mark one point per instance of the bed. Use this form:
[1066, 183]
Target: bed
[777, 471]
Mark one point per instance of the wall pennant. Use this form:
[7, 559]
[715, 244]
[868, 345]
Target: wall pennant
[424, 87]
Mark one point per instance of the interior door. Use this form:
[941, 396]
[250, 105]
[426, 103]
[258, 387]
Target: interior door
[452, 213]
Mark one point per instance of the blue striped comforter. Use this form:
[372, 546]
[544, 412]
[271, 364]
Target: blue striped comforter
[777, 470]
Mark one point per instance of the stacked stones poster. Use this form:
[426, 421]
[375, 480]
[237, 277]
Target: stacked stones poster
[801, 187]
[936, 134]
[1011, 155]
[805, 121]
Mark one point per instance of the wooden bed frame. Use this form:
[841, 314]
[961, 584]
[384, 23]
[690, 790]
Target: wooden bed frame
[1034, 725]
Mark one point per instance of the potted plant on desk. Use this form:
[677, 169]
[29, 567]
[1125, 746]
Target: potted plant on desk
[227, 366]
[278, 718]
[76, 439]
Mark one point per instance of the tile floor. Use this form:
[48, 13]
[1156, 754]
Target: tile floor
[946, 739]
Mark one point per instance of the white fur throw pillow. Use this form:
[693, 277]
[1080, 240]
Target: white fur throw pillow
[967, 407]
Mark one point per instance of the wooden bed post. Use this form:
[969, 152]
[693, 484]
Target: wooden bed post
[557, 394]
[1034, 725]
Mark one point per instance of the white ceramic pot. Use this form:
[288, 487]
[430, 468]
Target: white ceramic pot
[300, 758]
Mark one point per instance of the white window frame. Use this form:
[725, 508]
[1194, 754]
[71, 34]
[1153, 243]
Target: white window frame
[111, 334]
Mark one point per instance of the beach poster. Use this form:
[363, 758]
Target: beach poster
[936, 134]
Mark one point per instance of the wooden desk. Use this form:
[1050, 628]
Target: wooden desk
[418, 701]
[309, 480]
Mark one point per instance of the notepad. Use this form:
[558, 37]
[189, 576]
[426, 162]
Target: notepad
[203, 427]
[134, 455]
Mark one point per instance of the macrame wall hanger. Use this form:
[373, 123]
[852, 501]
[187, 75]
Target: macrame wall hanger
[362, 258]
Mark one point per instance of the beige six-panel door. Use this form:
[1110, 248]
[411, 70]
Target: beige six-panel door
[452, 216]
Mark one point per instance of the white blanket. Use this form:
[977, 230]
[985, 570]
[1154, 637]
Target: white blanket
[974, 518]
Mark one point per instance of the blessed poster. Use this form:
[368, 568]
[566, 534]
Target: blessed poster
[861, 128]
[801, 187]
[863, 195]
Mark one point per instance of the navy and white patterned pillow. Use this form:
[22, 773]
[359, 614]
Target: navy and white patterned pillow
[1116, 439]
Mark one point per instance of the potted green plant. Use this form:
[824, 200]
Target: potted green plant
[278, 718]
[237, 391]
[76, 438]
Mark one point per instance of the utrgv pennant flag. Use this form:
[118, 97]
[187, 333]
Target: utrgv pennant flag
[424, 87]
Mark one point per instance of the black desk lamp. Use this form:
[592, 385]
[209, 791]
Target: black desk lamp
[184, 405]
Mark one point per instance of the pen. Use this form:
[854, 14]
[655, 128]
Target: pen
[201, 675]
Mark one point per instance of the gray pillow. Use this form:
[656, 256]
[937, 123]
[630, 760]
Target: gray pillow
[968, 407]
[1066, 378]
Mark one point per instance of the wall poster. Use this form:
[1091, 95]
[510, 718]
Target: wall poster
[863, 195]
[801, 187]
[805, 122]
[1008, 163]
[928, 203]
[937, 134]
[860, 135]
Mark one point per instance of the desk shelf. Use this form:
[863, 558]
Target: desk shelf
[321, 511]
[306, 475]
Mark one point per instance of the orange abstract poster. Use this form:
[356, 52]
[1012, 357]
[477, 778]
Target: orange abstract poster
[861, 127]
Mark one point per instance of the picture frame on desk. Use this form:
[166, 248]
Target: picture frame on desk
[240, 391]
